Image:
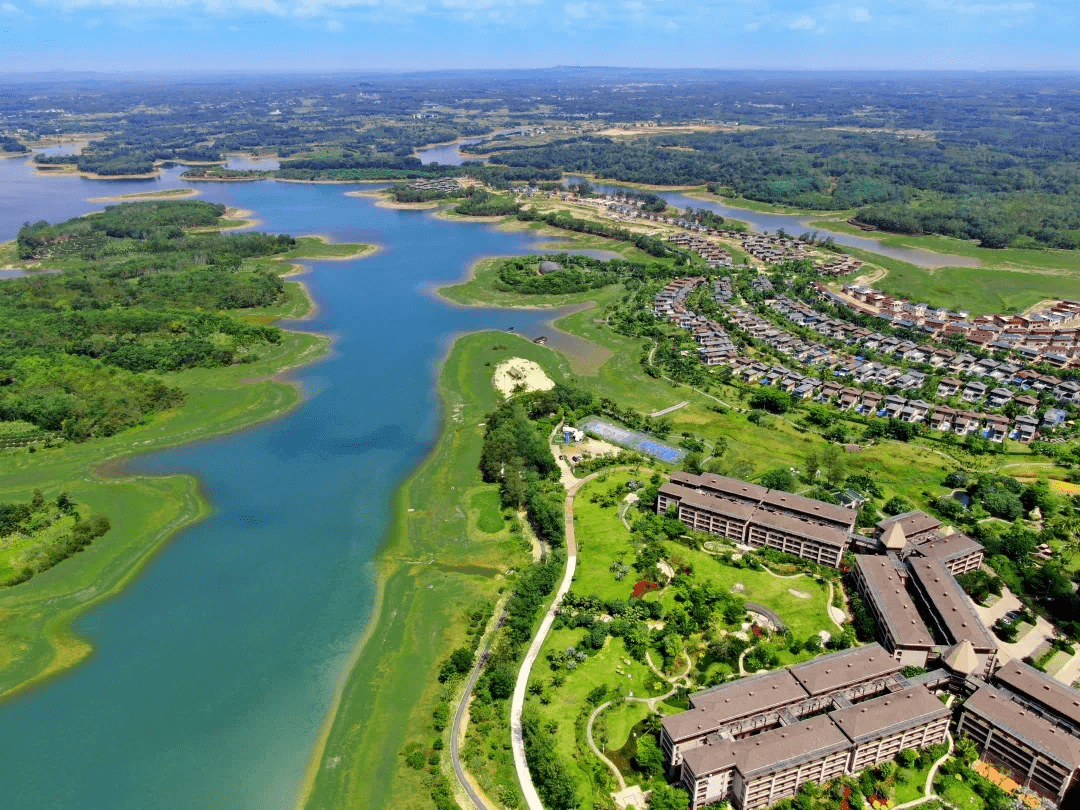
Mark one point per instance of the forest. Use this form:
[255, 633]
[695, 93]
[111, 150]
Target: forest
[987, 157]
[1020, 195]
[138, 295]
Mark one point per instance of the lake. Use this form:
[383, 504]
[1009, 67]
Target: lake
[214, 671]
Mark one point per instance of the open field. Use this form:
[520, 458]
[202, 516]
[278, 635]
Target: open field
[436, 562]
[980, 290]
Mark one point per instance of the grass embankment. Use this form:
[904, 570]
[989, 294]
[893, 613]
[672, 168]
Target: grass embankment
[36, 640]
[439, 559]
[1009, 281]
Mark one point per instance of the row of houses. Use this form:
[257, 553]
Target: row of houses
[713, 254]
[773, 249]
[992, 371]
[1049, 336]
[839, 266]
[446, 185]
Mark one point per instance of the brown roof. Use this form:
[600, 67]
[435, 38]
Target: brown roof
[810, 507]
[812, 531]
[911, 522]
[839, 670]
[1029, 682]
[711, 503]
[771, 751]
[889, 714]
[730, 701]
[955, 545]
[1029, 728]
[894, 604]
[950, 603]
[721, 484]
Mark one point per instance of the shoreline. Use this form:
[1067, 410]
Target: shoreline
[149, 196]
[68, 648]
[390, 686]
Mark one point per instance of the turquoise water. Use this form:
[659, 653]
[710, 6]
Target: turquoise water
[214, 671]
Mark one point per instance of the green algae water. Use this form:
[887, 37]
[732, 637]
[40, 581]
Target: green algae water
[214, 671]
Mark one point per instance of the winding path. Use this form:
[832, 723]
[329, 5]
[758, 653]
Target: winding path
[459, 717]
[517, 703]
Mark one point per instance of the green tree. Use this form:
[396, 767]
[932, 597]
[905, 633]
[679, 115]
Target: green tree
[780, 478]
[666, 797]
[649, 758]
[833, 462]
[810, 466]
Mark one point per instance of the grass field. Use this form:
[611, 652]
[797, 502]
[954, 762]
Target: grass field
[999, 288]
[388, 698]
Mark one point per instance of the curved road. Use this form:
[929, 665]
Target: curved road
[517, 703]
[459, 716]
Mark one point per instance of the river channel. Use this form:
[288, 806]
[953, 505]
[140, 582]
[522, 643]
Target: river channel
[795, 224]
[214, 671]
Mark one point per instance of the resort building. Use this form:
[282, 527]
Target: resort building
[755, 516]
[1041, 756]
[1040, 695]
[882, 582]
[854, 712]
[951, 611]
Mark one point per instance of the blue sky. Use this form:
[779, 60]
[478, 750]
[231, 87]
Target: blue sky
[315, 35]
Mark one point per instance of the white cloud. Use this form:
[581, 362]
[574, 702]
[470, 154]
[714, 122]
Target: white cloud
[860, 14]
[752, 26]
[334, 26]
[803, 22]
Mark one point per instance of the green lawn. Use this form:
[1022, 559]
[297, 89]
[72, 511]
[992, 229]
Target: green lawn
[487, 510]
[910, 783]
[959, 794]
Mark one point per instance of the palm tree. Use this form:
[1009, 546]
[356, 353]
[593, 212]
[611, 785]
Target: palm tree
[1067, 528]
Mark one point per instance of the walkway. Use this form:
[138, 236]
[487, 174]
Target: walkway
[928, 790]
[682, 404]
[832, 611]
[517, 703]
[456, 732]
[650, 702]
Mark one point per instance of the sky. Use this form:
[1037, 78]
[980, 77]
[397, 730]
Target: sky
[394, 35]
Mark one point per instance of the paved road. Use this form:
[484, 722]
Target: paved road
[459, 716]
[517, 703]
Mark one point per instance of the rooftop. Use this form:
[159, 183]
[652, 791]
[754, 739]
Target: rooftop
[911, 522]
[771, 751]
[887, 590]
[889, 714]
[810, 507]
[812, 531]
[1029, 728]
[955, 545]
[950, 603]
[723, 704]
[832, 672]
[722, 484]
[1025, 680]
[703, 500]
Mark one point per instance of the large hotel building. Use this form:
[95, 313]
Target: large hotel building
[755, 516]
[754, 740]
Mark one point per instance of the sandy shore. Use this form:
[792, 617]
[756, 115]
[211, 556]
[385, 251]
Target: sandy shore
[517, 371]
[169, 194]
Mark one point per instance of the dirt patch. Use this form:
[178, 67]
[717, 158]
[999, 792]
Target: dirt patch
[517, 371]
[738, 587]
[800, 594]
